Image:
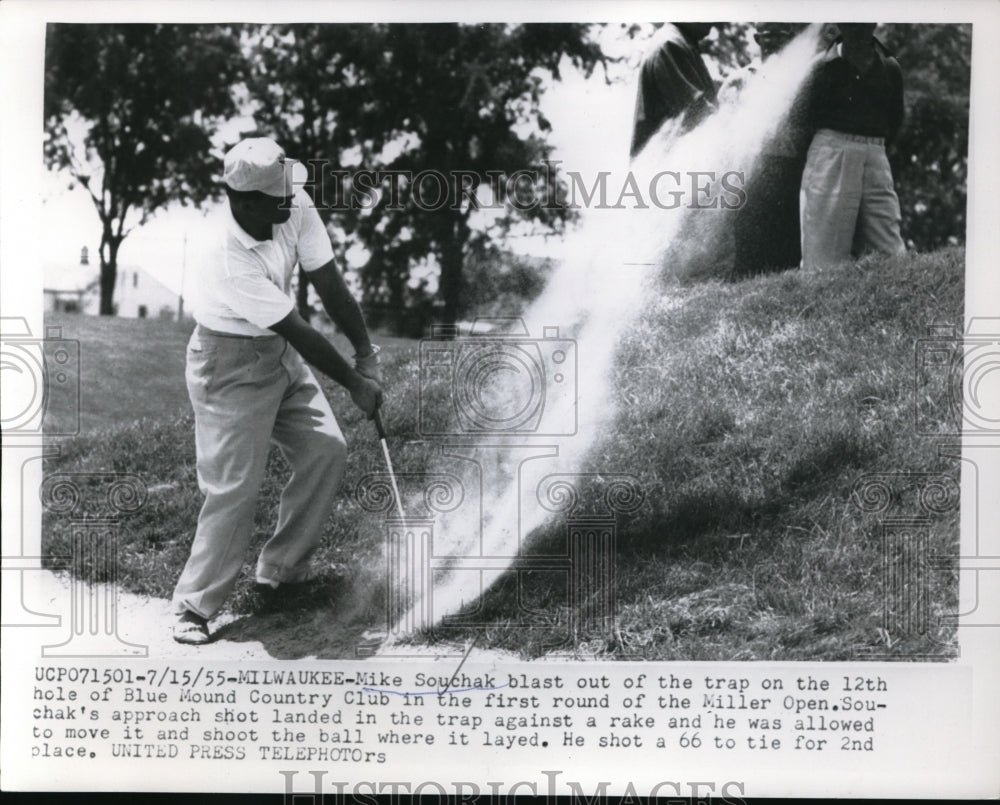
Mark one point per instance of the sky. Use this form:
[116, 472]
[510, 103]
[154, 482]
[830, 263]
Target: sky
[590, 120]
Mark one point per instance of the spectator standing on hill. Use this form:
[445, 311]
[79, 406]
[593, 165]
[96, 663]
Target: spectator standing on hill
[855, 106]
[767, 226]
[673, 82]
[249, 386]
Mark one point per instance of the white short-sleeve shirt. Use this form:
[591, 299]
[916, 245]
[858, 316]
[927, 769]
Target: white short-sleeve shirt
[246, 286]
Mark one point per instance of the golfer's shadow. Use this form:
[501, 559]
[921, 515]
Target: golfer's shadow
[328, 620]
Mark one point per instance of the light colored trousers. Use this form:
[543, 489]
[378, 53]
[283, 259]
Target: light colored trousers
[246, 393]
[847, 200]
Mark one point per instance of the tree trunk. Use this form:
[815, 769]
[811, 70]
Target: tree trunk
[396, 275]
[109, 271]
[452, 257]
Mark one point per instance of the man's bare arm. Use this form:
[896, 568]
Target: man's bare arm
[341, 305]
[318, 351]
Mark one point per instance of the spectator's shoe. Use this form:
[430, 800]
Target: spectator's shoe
[191, 628]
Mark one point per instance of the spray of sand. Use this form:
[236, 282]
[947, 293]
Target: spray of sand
[607, 272]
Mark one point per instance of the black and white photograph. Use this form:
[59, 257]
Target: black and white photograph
[610, 403]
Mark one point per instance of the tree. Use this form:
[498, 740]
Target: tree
[130, 110]
[929, 158]
[728, 46]
[389, 101]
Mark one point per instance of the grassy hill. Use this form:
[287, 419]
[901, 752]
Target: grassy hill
[747, 410]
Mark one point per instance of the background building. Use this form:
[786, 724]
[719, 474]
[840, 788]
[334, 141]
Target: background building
[75, 288]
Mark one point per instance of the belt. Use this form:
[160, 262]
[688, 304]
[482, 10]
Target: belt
[201, 329]
[854, 138]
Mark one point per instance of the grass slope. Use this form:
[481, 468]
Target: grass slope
[129, 369]
[747, 410]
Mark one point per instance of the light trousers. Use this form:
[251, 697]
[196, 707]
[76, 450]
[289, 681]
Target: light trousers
[246, 394]
[847, 201]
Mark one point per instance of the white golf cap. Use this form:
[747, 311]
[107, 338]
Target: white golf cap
[259, 163]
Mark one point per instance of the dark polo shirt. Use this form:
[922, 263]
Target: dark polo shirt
[869, 104]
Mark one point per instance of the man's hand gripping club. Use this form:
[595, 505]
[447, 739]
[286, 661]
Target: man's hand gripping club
[316, 350]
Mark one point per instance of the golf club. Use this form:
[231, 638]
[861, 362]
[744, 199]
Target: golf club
[388, 462]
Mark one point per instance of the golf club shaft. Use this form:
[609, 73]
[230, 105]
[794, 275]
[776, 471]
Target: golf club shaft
[388, 463]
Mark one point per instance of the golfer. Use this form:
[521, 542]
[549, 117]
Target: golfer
[249, 385]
